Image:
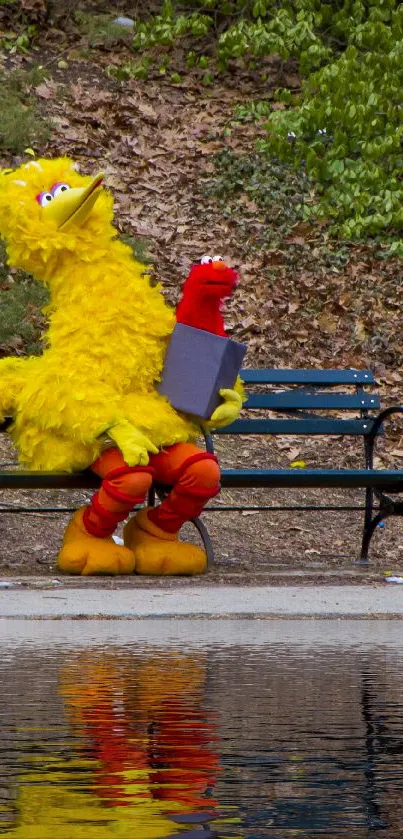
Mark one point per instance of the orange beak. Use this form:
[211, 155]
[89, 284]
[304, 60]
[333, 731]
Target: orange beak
[219, 265]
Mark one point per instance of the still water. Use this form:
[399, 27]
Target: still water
[149, 729]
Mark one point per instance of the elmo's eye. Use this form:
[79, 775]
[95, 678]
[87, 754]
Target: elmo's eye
[218, 258]
[44, 198]
[57, 189]
[205, 259]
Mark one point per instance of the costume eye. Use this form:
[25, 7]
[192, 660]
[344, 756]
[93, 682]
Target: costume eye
[44, 198]
[57, 189]
[218, 258]
[205, 259]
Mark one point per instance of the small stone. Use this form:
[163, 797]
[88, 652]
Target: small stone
[128, 22]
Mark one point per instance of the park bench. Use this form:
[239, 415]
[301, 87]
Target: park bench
[306, 402]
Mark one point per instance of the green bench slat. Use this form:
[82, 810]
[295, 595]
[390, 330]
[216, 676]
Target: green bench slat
[230, 478]
[333, 427]
[48, 480]
[305, 376]
[391, 480]
[290, 399]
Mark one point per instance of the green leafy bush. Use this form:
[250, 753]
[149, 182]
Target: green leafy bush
[240, 29]
[101, 31]
[167, 28]
[346, 126]
[253, 185]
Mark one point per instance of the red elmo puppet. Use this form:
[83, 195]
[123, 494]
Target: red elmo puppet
[209, 283]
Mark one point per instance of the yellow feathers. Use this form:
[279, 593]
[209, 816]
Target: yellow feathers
[13, 372]
[107, 336]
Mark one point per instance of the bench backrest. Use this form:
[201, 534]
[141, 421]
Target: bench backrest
[300, 395]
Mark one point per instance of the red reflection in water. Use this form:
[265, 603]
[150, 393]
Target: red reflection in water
[146, 728]
[181, 753]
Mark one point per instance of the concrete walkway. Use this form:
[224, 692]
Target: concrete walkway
[381, 601]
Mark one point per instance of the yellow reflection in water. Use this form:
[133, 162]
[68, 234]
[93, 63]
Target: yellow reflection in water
[144, 752]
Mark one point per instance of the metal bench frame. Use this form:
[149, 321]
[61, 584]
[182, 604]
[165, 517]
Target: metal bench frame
[298, 397]
[303, 391]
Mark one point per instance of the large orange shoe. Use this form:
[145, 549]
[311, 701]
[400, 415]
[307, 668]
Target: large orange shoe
[159, 552]
[84, 554]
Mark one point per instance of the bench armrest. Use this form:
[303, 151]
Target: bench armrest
[373, 434]
[379, 420]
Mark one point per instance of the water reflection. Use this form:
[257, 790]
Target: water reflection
[146, 743]
[143, 761]
[153, 744]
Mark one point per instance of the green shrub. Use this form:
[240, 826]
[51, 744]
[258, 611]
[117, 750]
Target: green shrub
[244, 30]
[252, 185]
[346, 127]
[140, 247]
[167, 28]
[266, 202]
[101, 31]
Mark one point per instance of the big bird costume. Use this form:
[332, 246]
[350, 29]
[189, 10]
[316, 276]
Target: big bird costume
[90, 400]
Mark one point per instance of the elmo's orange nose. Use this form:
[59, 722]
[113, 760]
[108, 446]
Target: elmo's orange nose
[219, 265]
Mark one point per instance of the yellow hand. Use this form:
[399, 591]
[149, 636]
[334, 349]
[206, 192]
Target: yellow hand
[228, 411]
[133, 444]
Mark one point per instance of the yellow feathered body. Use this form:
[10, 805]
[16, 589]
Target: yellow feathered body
[107, 336]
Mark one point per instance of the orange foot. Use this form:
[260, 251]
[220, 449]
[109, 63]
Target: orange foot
[158, 552]
[84, 554]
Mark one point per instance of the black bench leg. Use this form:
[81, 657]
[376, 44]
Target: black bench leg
[369, 504]
[208, 545]
[366, 541]
[198, 524]
[368, 529]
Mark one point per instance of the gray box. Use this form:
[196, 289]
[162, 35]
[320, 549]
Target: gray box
[197, 365]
